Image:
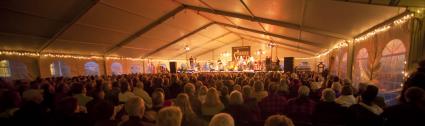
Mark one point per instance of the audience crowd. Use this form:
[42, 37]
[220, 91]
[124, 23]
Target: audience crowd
[208, 99]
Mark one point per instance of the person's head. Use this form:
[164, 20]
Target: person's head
[328, 95]
[169, 116]
[158, 97]
[222, 119]
[247, 91]
[273, 88]
[103, 110]
[182, 101]
[78, 88]
[336, 86]
[237, 87]
[414, 95]
[347, 90]
[135, 107]
[68, 106]
[203, 90]
[369, 95]
[362, 87]
[189, 88]
[139, 84]
[33, 95]
[303, 91]
[258, 86]
[125, 86]
[212, 99]
[236, 98]
[278, 120]
[99, 94]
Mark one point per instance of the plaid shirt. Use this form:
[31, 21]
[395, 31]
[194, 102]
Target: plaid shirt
[272, 104]
[300, 109]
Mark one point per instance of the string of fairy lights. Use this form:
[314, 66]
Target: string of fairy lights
[345, 43]
[338, 45]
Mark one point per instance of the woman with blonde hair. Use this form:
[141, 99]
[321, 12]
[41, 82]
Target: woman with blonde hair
[222, 119]
[202, 94]
[189, 116]
[278, 120]
[169, 116]
[259, 91]
[212, 104]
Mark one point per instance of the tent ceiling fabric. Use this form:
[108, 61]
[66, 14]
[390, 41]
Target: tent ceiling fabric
[162, 28]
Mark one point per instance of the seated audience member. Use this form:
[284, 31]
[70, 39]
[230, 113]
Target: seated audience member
[409, 113]
[273, 103]
[103, 112]
[10, 103]
[300, 109]
[336, 86]
[31, 110]
[169, 116]
[283, 89]
[327, 111]
[366, 112]
[278, 120]
[139, 91]
[259, 91]
[347, 98]
[67, 113]
[195, 103]
[125, 93]
[91, 105]
[202, 93]
[250, 100]
[237, 87]
[158, 99]
[189, 116]
[79, 92]
[242, 115]
[135, 108]
[222, 119]
[416, 79]
[224, 96]
[212, 104]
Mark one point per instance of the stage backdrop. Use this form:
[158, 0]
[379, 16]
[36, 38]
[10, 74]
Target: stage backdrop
[244, 51]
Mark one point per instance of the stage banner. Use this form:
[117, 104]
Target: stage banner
[241, 52]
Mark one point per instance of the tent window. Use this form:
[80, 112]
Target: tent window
[135, 69]
[59, 69]
[4, 68]
[116, 68]
[390, 74]
[91, 68]
[361, 67]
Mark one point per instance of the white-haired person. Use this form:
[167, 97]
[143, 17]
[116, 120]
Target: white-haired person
[327, 111]
[189, 116]
[278, 120]
[259, 91]
[347, 98]
[212, 104]
[135, 108]
[222, 119]
[241, 113]
[195, 103]
[31, 110]
[300, 109]
[336, 86]
[139, 91]
[169, 116]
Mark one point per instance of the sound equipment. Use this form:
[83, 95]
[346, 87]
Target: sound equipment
[173, 67]
[288, 63]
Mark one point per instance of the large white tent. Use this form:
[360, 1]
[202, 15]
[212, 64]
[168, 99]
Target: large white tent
[162, 28]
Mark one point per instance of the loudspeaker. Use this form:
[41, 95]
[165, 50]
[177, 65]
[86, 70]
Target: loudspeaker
[288, 63]
[173, 67]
